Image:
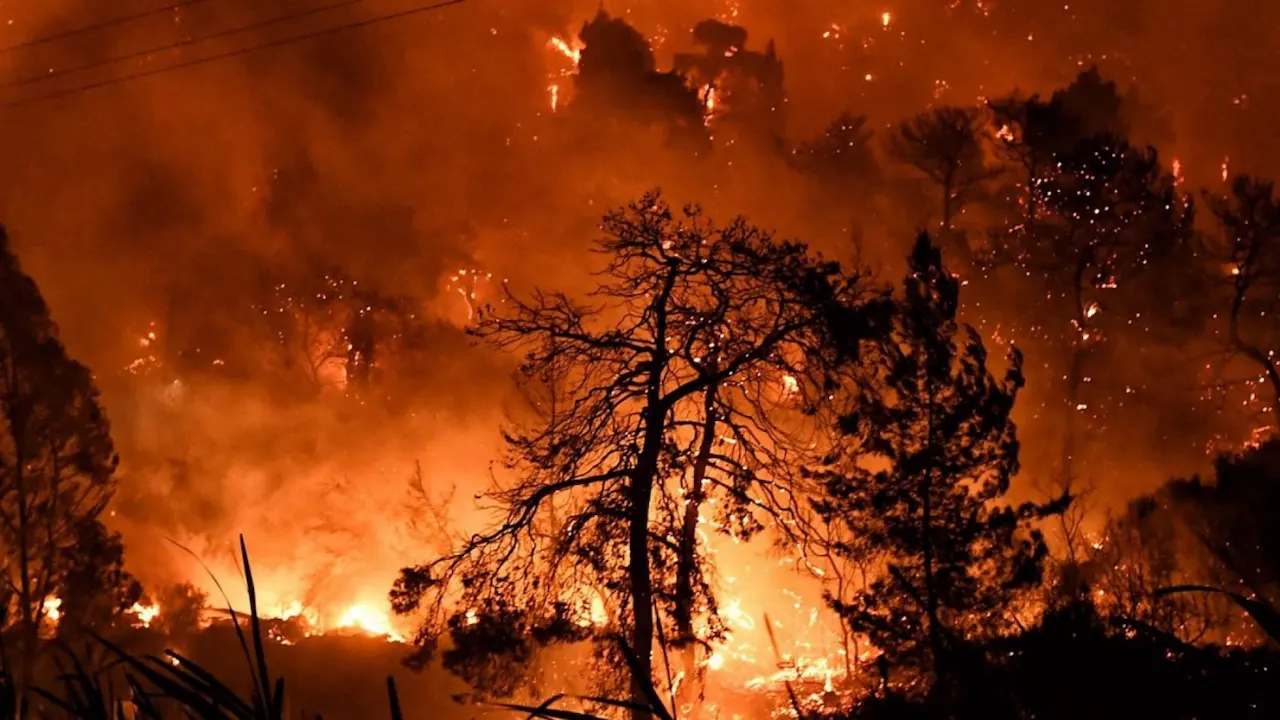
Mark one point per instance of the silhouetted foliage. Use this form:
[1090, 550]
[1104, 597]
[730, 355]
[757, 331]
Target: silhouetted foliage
[1104, 248]
[747, 84]
[666, 387]
[928, 457]
[618, 80]
[945, 145]
[56, 468]
[1245, 255]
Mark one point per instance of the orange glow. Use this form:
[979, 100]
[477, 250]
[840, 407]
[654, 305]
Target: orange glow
[145, 613]
[370, 620]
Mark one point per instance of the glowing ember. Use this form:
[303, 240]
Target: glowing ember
[790, 385]
[53, 609]
[885, 18]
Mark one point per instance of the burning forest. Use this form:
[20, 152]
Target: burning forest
[709, 359]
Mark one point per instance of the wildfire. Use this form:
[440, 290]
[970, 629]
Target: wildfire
[53, 609]
[710, 100]
[368, 619]
[145, 613]
[466, 281]
[571, 51]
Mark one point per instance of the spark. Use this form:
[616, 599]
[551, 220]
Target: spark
[885, 18]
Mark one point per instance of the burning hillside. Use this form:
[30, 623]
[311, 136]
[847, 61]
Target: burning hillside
[340, 274]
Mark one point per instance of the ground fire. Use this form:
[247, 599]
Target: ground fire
[709, 359]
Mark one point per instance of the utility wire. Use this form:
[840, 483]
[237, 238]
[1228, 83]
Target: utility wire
[179, 44]
[234, 53]
[99, 26]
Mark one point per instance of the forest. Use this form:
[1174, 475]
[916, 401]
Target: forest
[644, 390]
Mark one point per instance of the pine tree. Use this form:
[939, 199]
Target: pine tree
[944, 144]
[928, 460]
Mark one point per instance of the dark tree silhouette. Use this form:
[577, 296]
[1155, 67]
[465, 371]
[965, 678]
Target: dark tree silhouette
[1147, 547]
[330, 328]
[56, 463]
[1034, 132]
[658, 394]
[748, 84]
[1110, 228]
[1247, 255]
[945, 145]
[618, 81]
[1235, 518]
[929, 456]
[843, 165]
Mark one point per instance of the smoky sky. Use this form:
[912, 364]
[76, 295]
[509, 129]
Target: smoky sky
[408, 150]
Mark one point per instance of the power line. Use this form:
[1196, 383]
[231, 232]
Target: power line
[99, 26]
[179, 44]
[233, 53]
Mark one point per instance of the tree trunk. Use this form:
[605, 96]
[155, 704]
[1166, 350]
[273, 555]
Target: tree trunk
[926, 530]
[641, 493]
[947, 187]
[686, 562]
[30, 631]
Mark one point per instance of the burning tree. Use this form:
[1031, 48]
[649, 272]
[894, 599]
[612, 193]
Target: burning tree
[56, 467]
[931, 449]
[1034, 132]
[1101, 251]
[1246, 253]
[643, 408]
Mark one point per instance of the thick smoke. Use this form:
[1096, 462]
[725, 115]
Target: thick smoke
[406, 151]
